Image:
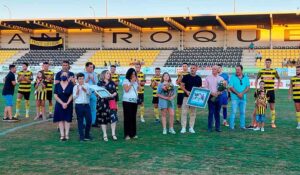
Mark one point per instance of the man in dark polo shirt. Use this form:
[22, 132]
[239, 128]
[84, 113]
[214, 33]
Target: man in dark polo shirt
[65, 67]
[8, 92]
[187, 83]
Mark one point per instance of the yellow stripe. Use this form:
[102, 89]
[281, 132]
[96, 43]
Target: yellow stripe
[24, 90]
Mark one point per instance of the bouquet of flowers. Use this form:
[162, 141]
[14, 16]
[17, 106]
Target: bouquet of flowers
[220, 87]
[168, 89]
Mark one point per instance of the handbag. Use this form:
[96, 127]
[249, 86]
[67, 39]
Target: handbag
[138, 101]
[113, 104]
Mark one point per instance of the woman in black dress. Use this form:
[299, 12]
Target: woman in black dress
[63, 111]
[104, 114]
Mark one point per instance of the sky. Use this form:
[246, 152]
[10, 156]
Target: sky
[24, 9]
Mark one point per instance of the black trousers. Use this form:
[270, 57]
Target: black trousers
[129, 111]
[83, 111]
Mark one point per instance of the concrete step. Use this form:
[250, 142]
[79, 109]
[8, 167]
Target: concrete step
[84, 58]
[15, 57]
[162, 58]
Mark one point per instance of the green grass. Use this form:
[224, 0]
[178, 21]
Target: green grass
[37, 150]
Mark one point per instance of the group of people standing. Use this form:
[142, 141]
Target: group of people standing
[91, 110]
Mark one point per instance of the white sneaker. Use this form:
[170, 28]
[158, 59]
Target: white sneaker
[183, 130]
[191, 130]
[262, 129]
[171, 130]
[256, 129]
[164, 131]
[298, 127]
[142, 120]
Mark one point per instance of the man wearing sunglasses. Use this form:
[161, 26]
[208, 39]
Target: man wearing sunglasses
[239, 86]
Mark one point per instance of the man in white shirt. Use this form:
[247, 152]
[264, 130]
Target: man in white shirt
[214, 83]
[81, 96]
[90, 77]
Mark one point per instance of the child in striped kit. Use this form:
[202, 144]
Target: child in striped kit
[261, 105]
[40, 95]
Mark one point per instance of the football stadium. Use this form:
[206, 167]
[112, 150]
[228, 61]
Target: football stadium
[31, 143]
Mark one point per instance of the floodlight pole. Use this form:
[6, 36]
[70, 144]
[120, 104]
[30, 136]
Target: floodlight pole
[106, 8]
[93, 11]
[233, 6]
[8, 9]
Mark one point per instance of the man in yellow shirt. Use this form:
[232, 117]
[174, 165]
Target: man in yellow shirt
[295, 92]
[268, 75]
[180, 92]
[154, 83]
[24, 78]
[141, 80]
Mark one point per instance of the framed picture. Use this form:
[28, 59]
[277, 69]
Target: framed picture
[198, 97]
[100, 91]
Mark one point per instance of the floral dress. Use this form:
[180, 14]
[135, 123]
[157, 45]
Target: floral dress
[104, 114]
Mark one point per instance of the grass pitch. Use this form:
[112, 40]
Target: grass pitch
[37, 150]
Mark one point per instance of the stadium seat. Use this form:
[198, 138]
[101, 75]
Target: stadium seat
[55, 57]
[125, 57]
[278, 55]
[6, 54]
[206, 56]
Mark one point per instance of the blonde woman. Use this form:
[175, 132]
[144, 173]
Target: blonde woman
[104, 112]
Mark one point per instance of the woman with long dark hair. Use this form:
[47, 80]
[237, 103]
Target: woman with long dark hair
[130, 103]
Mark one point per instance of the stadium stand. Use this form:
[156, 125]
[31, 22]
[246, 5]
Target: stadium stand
[206, 57]
[125, 57]
[278, 56]
[6, 54]
[55, 57]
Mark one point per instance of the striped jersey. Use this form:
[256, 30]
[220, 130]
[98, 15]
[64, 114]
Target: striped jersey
[40, 92]
[261, 109]
[115, 78]
[49, 79]
[157, 80]
[179, 77]
[295, 82]
[256, 93]
[142, 78]
[268, 76]
[25, 86]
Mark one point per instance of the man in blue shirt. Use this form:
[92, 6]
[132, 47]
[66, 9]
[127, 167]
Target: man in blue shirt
[239, 86]
[91, 78]
[8, 92]
[224, 95]
[66, 68]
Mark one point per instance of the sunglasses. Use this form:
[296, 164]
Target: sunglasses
[241, 82]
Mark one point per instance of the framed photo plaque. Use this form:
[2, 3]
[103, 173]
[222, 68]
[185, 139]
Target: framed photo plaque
[198, 97]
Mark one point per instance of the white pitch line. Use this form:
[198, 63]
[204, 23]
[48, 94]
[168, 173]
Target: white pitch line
[3, 133]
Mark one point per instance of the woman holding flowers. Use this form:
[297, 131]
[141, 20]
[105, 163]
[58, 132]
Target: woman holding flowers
[166, 95]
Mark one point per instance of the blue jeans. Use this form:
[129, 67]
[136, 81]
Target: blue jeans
[93, 103]
[214, 113]
[8, 100]
[83, 112]
[241, 104]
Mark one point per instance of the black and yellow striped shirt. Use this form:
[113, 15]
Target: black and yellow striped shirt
[256, 93]
[115, 78]
[295, 82]
[180, 76]
[142, 78]
[49, 79]
[157, 80]
[268, 76]
[25, 86]
[261, 109]
[40, 92]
